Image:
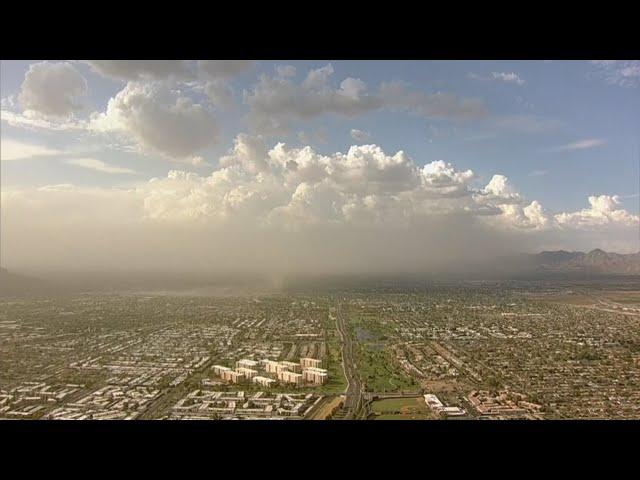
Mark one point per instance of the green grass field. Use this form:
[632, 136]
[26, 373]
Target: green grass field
[379, 372]
[392, 416]
[401, 409]
[336, 383]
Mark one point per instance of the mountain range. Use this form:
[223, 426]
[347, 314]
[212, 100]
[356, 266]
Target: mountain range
[595, 261]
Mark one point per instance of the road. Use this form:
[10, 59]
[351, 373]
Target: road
[353, 393]
[609, 310]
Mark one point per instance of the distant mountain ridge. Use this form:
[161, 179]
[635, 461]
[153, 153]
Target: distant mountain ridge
[596, 261]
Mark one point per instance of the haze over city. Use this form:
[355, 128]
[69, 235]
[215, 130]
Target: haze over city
[314, 167]
[319, 240]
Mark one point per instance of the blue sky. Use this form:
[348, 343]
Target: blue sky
[572, 96]
[559, 131]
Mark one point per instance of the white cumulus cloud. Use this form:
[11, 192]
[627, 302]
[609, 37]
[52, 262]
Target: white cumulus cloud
[604, 211]
[281, 206]
[159, 119]
[52, 90]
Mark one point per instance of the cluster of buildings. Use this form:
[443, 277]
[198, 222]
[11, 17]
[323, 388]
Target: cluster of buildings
[134, 349]
[504, 404]
[267, 372]
[422, 361]
[205, 404]
[434, 403]
[106, 403]
[576, 362]
[163, 357]
[31, 399]
[618, 306]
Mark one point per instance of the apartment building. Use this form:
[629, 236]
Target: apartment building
[218, 369]
[232, 376]
[247, 363]
[315, 375]
[310, 362]
[291, 366]
[264, 381]
[286, 376]
[249, 373]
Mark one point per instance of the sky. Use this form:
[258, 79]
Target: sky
[314, 165]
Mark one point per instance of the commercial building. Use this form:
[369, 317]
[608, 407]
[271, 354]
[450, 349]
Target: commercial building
[437, 406]
[454, 411]
[433, 401]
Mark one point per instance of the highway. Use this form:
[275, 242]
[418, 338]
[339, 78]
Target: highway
[353, 393]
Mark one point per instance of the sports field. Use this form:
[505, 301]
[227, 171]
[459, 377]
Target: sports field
[413, 408]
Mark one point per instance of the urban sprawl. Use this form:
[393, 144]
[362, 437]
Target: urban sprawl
[537, 350]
